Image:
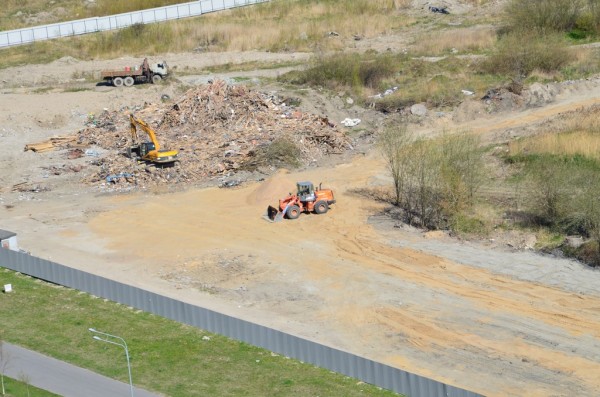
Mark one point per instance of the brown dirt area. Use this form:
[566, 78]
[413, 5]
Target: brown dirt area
[479, 316]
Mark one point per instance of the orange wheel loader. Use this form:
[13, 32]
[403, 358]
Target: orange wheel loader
[307, 199]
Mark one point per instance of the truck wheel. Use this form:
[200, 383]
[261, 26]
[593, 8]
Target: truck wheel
[321, 207]
[293, 212]
[128, 81]
[156, 79]
[118, 81]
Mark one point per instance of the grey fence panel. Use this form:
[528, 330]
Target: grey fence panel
[293, 346]
[81, 27]
[119, 21]
[152, 15]
[218, 4]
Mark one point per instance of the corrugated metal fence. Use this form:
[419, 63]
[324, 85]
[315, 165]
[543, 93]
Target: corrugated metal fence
[279, 342]
[119, 21]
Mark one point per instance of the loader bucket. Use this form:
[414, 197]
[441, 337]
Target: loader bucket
[274, 215]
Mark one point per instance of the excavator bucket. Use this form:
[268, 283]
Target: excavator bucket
[274, 215]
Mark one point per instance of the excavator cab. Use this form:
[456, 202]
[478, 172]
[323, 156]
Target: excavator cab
[141, 150]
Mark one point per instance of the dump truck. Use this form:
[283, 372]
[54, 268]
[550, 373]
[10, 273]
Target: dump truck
[128, 76]
[306, 199]
[148, 151]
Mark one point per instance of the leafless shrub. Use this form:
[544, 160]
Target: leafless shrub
[434, 180]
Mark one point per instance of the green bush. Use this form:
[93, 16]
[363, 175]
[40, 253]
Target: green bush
[543, 15]
[349, 70]
[434, 180]
[464, 224]
[437, 92]
[550, 189]
[520, 53]
[589, 253]
[584, 26]
[439, 84]
[281, 152]
[395, 102]
[593, 8]
[562, 192]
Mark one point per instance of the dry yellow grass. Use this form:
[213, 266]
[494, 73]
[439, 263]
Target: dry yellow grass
[582, 143]
[462, 40]
[401, 4]
[298, 26]
[477, 2]
[580, 120]
[586, 59]
[577, 133]
[279, 25]
[16, 14]
[583, 54]
[540, 75]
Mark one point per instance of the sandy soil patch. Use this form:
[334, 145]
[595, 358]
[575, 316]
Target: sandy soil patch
[492, 321]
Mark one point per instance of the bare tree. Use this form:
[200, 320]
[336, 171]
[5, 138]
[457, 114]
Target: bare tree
[594, 9]
[588, 208]
[24, 378]
[394, 141]
[424, 198]
[552, 190]
[462, 168]
[4, 363]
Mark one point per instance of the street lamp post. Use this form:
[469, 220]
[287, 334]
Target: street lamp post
[106, 338]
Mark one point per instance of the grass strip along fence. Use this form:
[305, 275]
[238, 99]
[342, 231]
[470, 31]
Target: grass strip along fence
[162, 353]
[119, 21]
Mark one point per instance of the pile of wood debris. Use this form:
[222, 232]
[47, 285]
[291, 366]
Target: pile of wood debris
[217, 128]
[51, 144]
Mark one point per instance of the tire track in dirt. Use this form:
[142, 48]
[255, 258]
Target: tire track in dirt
[335, 278]
[543, 311]
[524, 312]
[460, 324]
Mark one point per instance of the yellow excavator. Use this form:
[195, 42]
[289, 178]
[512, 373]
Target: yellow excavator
[148, 151]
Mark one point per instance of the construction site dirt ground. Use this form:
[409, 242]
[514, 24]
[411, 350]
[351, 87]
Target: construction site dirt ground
[477, 315]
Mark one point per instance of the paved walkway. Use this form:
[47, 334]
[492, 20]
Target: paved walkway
[61, 378]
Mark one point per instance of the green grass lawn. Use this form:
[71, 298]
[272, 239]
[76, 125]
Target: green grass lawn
[16, 388]
[166, 356]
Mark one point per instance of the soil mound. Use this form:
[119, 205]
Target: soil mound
[272, 189]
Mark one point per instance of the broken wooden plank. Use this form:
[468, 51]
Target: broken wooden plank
[51, 144]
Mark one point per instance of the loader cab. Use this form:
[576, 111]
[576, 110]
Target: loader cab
[306, 191]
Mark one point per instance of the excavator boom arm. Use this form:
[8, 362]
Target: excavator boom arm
[147, 129]
[133, 128]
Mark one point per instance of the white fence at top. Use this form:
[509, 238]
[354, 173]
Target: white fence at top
[99, 24]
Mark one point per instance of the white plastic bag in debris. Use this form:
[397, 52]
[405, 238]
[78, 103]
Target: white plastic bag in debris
[350, 122]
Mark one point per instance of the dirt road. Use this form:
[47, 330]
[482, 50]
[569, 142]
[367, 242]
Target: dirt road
[497, 322]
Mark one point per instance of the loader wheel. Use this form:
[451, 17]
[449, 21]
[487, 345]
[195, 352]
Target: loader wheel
[321, 207]
[293, 212]
[128, 81]
[118, 81]
[156, 79]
